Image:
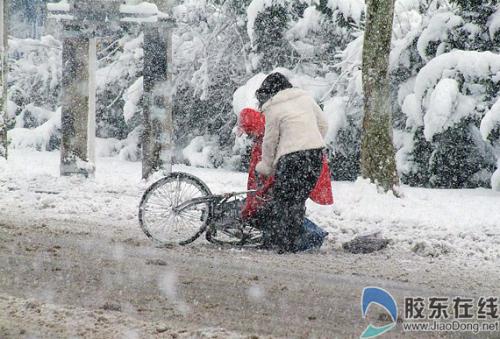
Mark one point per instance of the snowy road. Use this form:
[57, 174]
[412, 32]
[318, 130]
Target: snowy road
[73, 261]
[60, 284]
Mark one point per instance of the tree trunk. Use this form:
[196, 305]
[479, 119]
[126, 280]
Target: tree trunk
[3, 81]
[157, 105]
[378, 161]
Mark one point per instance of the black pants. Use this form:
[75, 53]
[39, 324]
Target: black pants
[283, 218]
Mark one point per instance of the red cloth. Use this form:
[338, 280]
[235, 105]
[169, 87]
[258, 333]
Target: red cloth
[322, 193]
[252, 123]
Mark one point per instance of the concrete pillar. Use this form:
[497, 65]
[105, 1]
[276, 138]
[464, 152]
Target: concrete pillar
[75, 103]
[157, 109]
[3, 77]
[91, 127]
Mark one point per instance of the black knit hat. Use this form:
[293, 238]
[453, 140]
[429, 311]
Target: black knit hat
[271, 85]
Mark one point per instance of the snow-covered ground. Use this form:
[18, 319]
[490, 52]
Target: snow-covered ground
[458, 224]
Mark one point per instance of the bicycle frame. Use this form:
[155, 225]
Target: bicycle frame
[214, 213]
[213, 200]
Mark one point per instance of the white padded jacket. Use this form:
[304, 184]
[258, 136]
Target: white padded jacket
[294, 122]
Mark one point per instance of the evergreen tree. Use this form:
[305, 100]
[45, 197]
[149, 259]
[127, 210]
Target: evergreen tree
[456, 157]
[270, 42]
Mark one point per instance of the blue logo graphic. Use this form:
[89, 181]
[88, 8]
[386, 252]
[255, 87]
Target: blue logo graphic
[379, 296]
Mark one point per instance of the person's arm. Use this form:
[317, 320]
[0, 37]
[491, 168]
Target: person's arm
[269, 145]
[321, 119]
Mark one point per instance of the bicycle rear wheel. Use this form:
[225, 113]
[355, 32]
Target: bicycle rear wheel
[159, 218]
[227, 227]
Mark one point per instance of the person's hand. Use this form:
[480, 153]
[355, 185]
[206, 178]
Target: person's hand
[264, 169]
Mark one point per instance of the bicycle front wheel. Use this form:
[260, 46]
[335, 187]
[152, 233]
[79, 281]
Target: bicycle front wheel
[159, 218]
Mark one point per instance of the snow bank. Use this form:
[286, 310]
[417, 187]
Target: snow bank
[108, 147]
[37, 138]
[200, 152]
[465, 220]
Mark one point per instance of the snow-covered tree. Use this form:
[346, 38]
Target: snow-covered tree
[34, 92]
[27, 18]
[320, 45]
[268, 24]
[210, 63]
[224, 46]
[450, 100]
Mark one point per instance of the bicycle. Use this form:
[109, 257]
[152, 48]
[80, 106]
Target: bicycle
[180, 207]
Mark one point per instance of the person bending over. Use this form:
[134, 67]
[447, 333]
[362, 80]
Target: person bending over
[292, 152]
